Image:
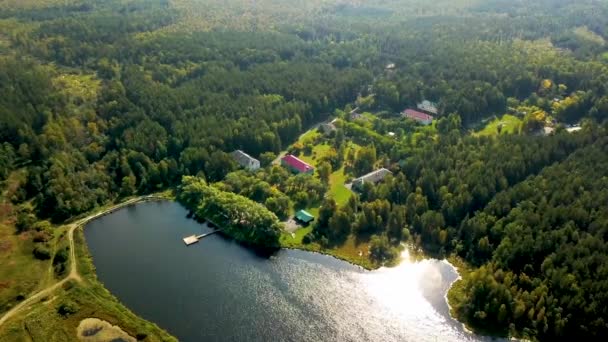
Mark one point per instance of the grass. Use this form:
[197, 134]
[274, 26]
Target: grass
[353, 251]
[338, 191]
[309, 136]
[337, 179]
[510, 125]
[20, 272]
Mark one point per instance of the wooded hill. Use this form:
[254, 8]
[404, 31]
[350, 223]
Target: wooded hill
[106, 99]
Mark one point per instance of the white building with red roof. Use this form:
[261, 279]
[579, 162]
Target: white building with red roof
[423, 118]
[296, 165]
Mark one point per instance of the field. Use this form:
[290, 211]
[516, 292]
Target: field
[353, 251]
[337, 179]
[20, 273]
[508, 124]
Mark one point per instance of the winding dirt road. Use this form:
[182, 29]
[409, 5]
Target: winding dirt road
[74, 275]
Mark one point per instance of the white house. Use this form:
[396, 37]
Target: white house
[246, 160]
[372, 177]
[428, 107]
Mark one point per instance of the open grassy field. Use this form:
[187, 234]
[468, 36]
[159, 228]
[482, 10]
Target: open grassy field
[353, 251]
[337, 179]
[510, 125]
[20, 273]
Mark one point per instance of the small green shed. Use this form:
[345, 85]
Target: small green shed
[304, 216]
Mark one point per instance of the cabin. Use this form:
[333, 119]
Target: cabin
[420, 117]
[304, 217]
[245, 160]
[296, 165]
[428, 107]
[372, 177]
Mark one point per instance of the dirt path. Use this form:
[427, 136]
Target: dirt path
[74, 275]
[277, 160]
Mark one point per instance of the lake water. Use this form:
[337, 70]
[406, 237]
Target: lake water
[217, 290]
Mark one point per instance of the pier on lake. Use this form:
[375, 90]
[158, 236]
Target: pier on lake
[192, 239]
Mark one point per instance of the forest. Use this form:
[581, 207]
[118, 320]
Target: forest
[238, 216]
[104, 100]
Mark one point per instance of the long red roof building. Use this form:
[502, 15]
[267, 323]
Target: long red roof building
[423, 118]
[296, 164]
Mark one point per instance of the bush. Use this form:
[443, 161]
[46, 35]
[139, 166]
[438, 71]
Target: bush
[42, 226]
[41, 237]
[61, 256]
[381, 249]
[67, 308]
[42, 253]
[405, 234]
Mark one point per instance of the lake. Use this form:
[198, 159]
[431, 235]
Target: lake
[218, 290]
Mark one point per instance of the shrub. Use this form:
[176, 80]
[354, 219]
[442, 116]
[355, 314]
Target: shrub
[67, 308]
[42, 253]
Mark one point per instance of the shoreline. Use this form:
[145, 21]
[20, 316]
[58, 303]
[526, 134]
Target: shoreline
[420, 255]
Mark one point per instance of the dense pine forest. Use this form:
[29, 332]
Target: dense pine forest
[104, 100]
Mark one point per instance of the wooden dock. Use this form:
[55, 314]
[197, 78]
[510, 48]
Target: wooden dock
[192, 239]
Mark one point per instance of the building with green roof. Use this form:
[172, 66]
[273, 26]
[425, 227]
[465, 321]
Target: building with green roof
[304, 216]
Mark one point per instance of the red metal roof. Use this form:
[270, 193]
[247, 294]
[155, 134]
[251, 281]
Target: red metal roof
[296, 163]
[416, 115]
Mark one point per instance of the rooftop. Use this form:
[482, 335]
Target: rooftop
[297, 163]
[242, 158]
[377, 173]
[304, 216]
[414, 114]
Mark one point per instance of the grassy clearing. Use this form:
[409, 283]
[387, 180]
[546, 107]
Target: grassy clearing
[338, 191]
[309, 136]
[337, 179]
[510, 125]
[295, 241]
[353, 251]
[20, 273]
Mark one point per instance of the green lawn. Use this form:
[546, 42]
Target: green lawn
[288, 241]
[309, 136]
[510, 125]
[337, 179]
[337, 189]
[353, 251]
[20, 273]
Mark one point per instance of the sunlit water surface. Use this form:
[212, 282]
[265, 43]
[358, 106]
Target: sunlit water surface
[218, 290]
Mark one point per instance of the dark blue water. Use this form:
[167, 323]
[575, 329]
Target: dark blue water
[218, 290]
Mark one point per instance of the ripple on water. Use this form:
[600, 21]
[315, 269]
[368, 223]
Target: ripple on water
[219, 291]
